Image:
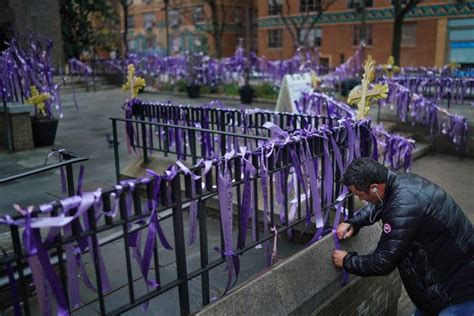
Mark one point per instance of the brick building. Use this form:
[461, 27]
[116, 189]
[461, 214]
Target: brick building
[434, 32]
[186, 24]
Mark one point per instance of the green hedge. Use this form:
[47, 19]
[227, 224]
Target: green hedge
[266, 91]
[263, 91]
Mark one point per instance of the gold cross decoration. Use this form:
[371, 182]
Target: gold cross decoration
[37, 99]
[453, 65]
[390, 68]
[134, 83]
[363, 94]
[315, 80]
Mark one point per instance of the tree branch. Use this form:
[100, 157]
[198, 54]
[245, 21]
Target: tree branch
[188, 15]
[408, 7]
[284, 19]
[223, 19]
[316, 18]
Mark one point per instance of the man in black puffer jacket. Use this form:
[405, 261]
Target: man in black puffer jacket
[425, 234]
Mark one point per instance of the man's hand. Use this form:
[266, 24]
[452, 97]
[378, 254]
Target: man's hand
[344, 231]
[338, 258]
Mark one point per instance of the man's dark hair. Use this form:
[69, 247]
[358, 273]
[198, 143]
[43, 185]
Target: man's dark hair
[363, 172]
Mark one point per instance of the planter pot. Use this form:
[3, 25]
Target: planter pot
[246, 94]
[194, 91]
[348, 84]
[213, 89]
[44, 131]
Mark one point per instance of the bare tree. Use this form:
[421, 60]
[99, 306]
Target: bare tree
[300, 28]
[125, 4]
[400, 9]
[218, 18]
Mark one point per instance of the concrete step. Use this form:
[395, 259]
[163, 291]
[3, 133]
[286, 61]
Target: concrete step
[389, 126]
[421, 149]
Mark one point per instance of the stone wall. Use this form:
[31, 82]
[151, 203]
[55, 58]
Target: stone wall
[366, 296]
[307, 283]
[19, 117]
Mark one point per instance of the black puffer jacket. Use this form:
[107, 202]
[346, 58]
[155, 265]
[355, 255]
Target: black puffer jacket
[427, 236]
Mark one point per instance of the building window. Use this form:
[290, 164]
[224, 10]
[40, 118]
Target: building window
[150, 42]
[274, 7]
[313, 37]
[461, 41]
[198, 13]
[204, 44]
[148, 20]
[408, 35]
[176, 44]
[357, 34]
[357, 4]
[324, 62]
[274, 38]
[131, 45]
[174, 18]
[310, 5]
[131, 21]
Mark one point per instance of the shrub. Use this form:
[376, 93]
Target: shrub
[266, 91]
[231, 89]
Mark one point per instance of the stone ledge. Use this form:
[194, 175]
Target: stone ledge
[300, 284]
[14, 108]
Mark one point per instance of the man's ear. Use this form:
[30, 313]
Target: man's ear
[374, 188]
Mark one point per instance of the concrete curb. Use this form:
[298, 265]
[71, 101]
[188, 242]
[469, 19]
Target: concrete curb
[299, 284]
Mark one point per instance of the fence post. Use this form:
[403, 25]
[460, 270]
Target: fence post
[351, 205]
[180, 246]
[116, 153]
[70, 179]
[203, 242]
[21, 277]
[144, 145]
[8, 127]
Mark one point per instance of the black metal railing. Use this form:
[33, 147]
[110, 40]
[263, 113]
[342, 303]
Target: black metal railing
[251, 122]
[66, 159]
[181, 141]
[175, 196]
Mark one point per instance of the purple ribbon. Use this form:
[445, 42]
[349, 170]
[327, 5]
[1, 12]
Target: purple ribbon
[224, 187]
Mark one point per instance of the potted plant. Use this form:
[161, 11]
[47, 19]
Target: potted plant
[246, 91]
[43, 124]
[193, 75]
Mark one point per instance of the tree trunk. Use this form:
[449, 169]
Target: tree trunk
[397, 39]
[218, 45]
[168, 50]
[216, 34]
[125, 28]
[248, 23]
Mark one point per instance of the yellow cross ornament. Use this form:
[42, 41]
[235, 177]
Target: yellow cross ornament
[315, 80]
[37, 99]
[453, 65]
[390, 68]
[363, 94]
[134, 83]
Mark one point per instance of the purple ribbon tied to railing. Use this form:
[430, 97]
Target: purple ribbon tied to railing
[224, 187]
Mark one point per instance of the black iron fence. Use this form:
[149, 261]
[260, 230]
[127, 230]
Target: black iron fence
[272, 188]
[66, 160]
[215, 118]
